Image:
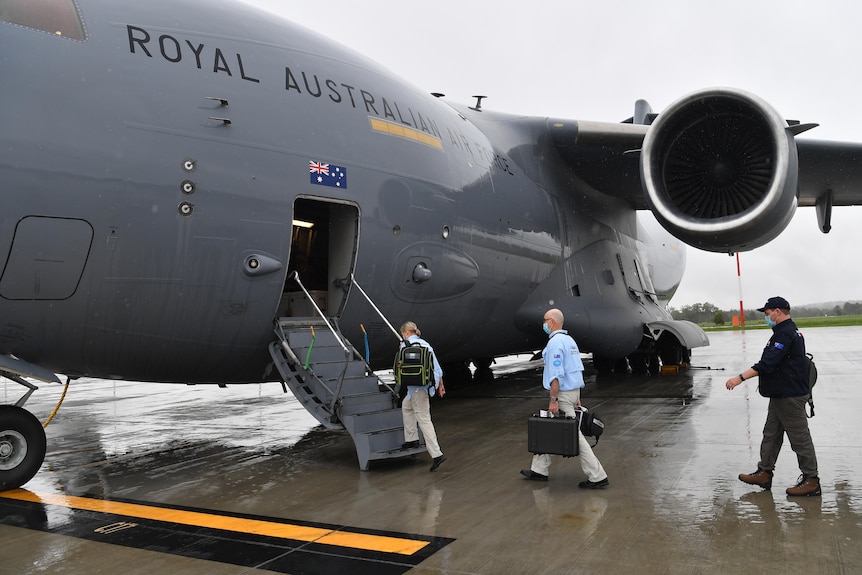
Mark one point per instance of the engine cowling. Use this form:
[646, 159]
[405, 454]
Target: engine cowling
[719, 170]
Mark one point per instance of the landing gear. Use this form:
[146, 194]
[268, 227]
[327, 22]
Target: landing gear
[458, 373]
[672, 352]
[644, 362]
[605, 365]
[22, 446]
[648, 361]
[483, 369]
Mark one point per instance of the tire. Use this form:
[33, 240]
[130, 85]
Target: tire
[22, 446]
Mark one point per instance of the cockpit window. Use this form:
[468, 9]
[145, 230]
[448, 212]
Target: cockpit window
[58, 17]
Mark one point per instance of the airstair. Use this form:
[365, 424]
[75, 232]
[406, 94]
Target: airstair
[336, 385]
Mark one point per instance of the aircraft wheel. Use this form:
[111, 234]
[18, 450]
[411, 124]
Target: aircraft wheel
[483, 363]
[483, 371]
[22, 446]
[654, 363]
[639, 362]
[458, 373]
[671, 355]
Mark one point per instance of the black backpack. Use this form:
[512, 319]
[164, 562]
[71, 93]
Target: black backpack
[414, 365]
[591, 425]
[812, 379]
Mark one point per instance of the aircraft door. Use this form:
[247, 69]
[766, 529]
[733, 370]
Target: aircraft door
[637, 282]
[323, 247]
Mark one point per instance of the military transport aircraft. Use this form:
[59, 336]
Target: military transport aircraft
[201, 192]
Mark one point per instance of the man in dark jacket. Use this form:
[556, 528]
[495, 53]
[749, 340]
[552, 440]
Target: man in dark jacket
[783, 373]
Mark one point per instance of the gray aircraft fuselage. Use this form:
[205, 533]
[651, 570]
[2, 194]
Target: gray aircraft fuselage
[152, 170]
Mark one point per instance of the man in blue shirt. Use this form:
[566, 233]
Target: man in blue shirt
[563, 377]
[416, 408]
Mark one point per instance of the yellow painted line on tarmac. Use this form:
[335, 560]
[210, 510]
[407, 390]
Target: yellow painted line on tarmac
[382, 543]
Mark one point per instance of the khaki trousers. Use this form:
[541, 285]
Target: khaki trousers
[416, 411]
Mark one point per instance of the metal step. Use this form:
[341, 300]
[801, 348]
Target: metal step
[338, 388]
[373, 422]
[364, 403]
[377, 444]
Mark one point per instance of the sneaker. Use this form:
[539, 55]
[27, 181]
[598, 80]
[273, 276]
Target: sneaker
[761, 477]
[807, 485]
[436, 462]
[600, 484]
[530, 474]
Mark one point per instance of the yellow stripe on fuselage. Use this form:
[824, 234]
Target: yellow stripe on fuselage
[393, 129]
[381, 543]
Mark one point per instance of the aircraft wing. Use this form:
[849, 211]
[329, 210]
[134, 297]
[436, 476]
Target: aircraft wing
[606, 156]
[720, 169]
[834, 167]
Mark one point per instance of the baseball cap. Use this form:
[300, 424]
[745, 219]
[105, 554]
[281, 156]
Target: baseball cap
[775, 303]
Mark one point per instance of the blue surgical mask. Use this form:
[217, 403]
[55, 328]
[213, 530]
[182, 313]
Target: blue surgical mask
[546, 329]
[769, 321]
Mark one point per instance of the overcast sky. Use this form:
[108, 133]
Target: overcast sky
[592, 60]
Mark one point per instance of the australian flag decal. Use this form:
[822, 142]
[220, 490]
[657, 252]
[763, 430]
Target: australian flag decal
[327, 175]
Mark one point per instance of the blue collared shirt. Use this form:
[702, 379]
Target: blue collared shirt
[562, 362]
[438, 371]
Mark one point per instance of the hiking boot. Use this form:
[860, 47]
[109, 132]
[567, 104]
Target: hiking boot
[807, 485]
[761, 477]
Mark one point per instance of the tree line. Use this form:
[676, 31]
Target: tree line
[709, 313]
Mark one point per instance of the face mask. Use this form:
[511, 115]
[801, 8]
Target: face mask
[546, 329]
[769, 321]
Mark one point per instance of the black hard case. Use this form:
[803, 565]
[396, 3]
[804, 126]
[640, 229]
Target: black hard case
[553, 435]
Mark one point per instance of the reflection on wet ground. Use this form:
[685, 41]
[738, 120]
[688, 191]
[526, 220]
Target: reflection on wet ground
[673, 448]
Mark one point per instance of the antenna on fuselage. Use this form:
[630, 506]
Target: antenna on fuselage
[478, 106]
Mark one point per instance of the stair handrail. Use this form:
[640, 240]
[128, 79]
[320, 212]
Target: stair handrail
[374, 306]
[294, 275]
[383, 317]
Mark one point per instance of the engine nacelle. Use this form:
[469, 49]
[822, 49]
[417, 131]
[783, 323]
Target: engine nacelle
[719, 170]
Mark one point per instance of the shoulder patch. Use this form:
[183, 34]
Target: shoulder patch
[779, 345]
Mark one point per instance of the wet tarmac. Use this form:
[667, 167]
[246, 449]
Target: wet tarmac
[146, 478]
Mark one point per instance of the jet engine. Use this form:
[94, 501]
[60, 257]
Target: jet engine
[719, 170]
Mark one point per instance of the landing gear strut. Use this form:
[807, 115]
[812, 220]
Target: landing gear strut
[22, 437]
[22, 446]
[483, 369]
